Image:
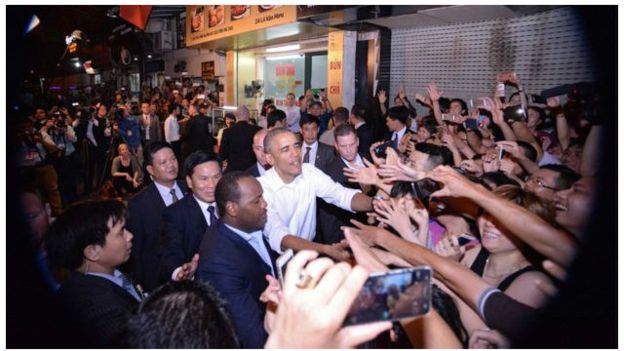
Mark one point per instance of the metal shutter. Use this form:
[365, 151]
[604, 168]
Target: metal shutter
[546, 49]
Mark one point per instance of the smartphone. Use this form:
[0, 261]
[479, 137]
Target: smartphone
[556, 91]
[201, 96]
[391, 296]
[501, 152]
[75, 104]
[482, 102]
[515, 113]
[538, 99]
[471, 123]
[281, 263]
[450, 118]
[380, 151]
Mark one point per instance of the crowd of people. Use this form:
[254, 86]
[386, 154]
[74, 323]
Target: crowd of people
[153, 230]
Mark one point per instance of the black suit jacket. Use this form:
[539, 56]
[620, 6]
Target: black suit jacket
[145, 211]
[95, 309]
[324, 155]
[253, 170]
[198, 135]
[236, 146]
[330, 217]
[236, 270]
[365, 135]
[183, 227]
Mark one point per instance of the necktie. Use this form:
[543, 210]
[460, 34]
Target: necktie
[174, 196]
[395, 140]
[127, 285]
[306, 157]
[213, 218]
[258, 244]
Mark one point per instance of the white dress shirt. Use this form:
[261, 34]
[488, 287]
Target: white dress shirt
[172, 129]
[293, 115]
[165, 193]
[358, 162]
[261, 169]
[292, 206]
[399, 135]
[204, 207]
[148, 119]
[313, 151]
[255, 240]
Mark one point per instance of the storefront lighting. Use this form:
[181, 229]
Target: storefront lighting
[286, 57]
[233, 108]
[284, 48]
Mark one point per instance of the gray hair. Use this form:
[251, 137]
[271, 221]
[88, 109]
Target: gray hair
[272, 134]
[242, 113]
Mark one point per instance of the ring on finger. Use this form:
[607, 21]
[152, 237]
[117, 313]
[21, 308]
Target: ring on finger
[304, 280]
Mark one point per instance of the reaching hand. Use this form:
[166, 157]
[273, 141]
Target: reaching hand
[188, 269]
[393, 213]
[449, 247]
[496, 108]
[381, 95]
[512, 148]
[337, 251]
[312, 316]
[364, 175]
[507, 166]
[424, 99]
[369, 234]
[455, 185]
[363, 254]
[399, 172]
[472, 167]
[553, 102]
[271, 297]
[402, 93]
[433, 92]
[488, 339]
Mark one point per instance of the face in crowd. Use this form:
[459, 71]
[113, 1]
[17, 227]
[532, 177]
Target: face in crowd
[164, 167]
[309, 132]
[347, 146]
[290, 100]
[543, 184]
[573, 206]
[203, 181]
[251, 207]
[285, 156]
[258, 147]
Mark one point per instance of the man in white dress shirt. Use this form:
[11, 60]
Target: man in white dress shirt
[293, 113]
[291, 188]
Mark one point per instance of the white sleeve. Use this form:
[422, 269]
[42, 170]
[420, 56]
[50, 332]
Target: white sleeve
[275, 230]
[330, 191]
[167, 129]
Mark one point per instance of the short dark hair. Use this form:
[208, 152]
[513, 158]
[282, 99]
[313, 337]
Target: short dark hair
[272, 134]
[341, 115]
[566, 176]
[151, 148]
[275, 116]
[399, 113]
[438, 155]
[230, 115]
[80, 225]
[228, 189]
[316, 103]
[182, 315]
[359, 111]
[307, 118]
[529, 150]
[344, 129]
[431, 127]
[464, 107]
[196, 158]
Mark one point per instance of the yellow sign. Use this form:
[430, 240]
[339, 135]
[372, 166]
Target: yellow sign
[210, 22]
[230, 59]
[335, 58]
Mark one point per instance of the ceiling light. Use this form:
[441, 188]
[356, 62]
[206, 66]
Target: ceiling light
[149, 56]
[77, 64]
[286, 57]
[34, 22]
[284, 48]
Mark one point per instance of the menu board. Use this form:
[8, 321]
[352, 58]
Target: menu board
[210, 22]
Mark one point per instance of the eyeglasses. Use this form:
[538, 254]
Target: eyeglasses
[541, 184]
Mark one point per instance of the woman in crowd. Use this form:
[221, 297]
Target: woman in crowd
[125, 171]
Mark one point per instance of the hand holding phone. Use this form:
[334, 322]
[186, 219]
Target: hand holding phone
[391, 296]
[281, 264]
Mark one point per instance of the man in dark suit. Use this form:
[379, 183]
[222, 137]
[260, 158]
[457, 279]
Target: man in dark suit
[185, 222]
[396, 120]
[364, 131]
[145, 211]
[151, 129]
[89, 240]
[236, 143]
[331, 217]
[313, 152]
[237, 258]
[197, 133]
[261, 165]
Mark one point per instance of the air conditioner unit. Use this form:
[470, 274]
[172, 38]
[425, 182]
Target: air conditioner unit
[163, 40]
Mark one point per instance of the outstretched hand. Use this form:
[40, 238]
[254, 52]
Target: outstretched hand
[188, 269]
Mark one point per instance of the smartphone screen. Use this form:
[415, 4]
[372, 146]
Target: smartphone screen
[281, 264]
[394, 295]
[471, 123]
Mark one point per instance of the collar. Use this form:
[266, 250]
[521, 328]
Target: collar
[358, 161]
[115, 277]
[204, 205]
[358, 125]
[276, 182]
[163, 189]
[244, 235]
[401, 133]
[312, 146]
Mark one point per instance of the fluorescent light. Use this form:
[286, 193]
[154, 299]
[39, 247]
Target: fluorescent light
[149, 56]
[284, 48]
[230, 107]
[77, 64]
[287, 57]
[34, 22]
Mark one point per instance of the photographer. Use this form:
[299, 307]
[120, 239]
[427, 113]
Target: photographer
[58, 132]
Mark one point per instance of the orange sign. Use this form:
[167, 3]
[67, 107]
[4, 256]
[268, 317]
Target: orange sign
[209, 22]
[335, 59]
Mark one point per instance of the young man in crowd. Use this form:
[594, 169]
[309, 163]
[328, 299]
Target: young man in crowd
[185, 222]
[341, 116]
[261, 166]
[145, 211]
[364, 131]
[293, 113]
[313, 152]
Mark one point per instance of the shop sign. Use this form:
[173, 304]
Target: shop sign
[208, 70]
[335, 57]
[285, 74]
[210, 22]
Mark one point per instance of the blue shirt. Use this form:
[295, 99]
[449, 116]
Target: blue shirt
[117, 279]
[130, 131]
[255, 240]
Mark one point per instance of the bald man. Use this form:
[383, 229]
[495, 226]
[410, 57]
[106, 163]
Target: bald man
[236, 145]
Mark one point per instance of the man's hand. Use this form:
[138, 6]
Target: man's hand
[363, 254]
[369, 234]
[472, 167]
[402, 93]
[488, 339]
[553, 102]
[423, 99]
[455, 185]
[513, 149]
[364, 175]
[188, 269]
[337, 251]
[399, 172]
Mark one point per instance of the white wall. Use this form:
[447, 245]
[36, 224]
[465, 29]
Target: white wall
[193, 58]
